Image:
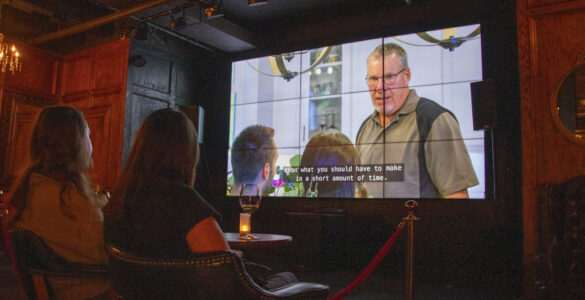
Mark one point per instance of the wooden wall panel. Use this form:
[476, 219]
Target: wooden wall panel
[536, 3]
[99, 120]
[109, 66]
[22, 119]
[559, 157]
[94, 80]
[22, 94]
[77, 71]
[18, 112]
[551, 41]
[548, 7]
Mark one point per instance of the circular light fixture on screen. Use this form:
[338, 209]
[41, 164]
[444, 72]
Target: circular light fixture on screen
[279, 68]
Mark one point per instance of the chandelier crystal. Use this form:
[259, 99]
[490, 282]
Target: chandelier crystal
[9, 57]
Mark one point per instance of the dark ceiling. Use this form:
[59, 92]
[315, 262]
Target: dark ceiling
[66, 25]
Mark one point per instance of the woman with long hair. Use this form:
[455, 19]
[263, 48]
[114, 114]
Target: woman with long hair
[328, 149]
[155, 211]
[52, 197]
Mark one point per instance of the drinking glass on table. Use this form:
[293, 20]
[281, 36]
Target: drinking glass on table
[249, 204]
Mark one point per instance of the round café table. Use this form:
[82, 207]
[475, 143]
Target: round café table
[263, 240]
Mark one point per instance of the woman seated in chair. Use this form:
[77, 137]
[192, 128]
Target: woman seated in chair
[53, 198]
[329, 149]
[155, 211]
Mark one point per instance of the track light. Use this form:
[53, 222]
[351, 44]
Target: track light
[178, 22]
[213, 11]
[257, 2]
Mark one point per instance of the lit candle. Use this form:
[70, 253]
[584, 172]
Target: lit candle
[244, 224]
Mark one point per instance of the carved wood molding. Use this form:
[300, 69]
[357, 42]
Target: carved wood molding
[8, 98]
[559, 267]
[525, 53]
[524, 49]
[560, 7]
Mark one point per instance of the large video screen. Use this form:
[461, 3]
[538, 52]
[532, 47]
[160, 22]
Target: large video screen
[383, 118]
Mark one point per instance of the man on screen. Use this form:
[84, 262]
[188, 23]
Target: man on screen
[417, 135]
[253, 160]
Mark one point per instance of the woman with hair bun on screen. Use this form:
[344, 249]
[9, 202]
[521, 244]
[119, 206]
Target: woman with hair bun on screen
[329, 149]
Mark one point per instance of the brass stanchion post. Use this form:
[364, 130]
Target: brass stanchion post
[411, 205]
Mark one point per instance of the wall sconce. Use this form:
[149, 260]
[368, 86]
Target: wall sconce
[257, 2]
[245, 225]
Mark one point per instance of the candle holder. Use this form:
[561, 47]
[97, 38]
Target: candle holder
[244, 225]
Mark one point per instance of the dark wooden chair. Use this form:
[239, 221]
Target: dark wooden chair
[215, 275]
[36, 262]
[560, 268]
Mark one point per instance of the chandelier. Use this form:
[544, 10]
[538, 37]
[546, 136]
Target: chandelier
[9, 57]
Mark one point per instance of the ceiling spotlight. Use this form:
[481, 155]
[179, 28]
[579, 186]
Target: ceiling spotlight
[318, 71]
[257, 2]
[213, 11]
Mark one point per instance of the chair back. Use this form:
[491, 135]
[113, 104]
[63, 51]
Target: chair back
[35, 262]
[214, 275]
[139, 277]
[28, 250]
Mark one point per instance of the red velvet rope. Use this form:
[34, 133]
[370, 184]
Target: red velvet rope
[373, 264]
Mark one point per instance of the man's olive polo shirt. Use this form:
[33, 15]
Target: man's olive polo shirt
[415, 166]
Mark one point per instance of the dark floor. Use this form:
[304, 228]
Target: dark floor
[388, 286]
[383, 283]
[379, 286]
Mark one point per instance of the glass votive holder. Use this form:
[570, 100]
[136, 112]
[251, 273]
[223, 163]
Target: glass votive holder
[244, 224]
